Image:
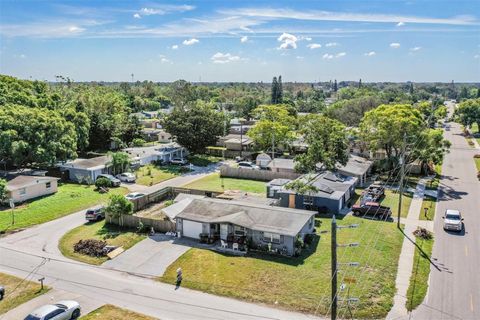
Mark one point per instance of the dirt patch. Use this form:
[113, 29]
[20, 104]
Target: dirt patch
[153, 211]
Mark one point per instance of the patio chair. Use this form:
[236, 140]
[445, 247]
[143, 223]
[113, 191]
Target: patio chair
[224, 244]
[235, 246]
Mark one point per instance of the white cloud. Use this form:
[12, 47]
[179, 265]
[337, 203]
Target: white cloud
[395, 45]
[224, 58]
[308, 38]
[331, 44]
[317, 15]
[163, 59]
[48, 29]
[137, 16]
[477, 56]
[400, 24]
[300, 57]
[161, 10]
[243, 39]
[327, 56]
[340, 54]
[23, 56]
[370, 54]
[190, 42]
[415, 49]
[175, 47]
[314, 45]
[288, 41]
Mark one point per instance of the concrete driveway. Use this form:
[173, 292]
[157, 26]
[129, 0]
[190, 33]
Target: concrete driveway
[149, 257]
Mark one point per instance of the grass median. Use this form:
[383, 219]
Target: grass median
[109, 312]
[112, 234]
[303, 283]
[431, 204]
[68, 199]
[18, 291]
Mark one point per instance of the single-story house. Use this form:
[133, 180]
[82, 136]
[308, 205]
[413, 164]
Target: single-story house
[257, 224]
[263, 160]
[164, 136]
[86, 170]
[22, 188]
[163, 153]
[150, 134]
[282, 165]
[333, 192]
[356, 166]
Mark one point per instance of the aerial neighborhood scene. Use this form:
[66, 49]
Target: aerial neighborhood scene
[239, 159]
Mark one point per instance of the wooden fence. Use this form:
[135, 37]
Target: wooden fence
[261, 175]
[131, 221]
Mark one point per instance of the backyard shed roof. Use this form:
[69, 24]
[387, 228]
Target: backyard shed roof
[356, 165]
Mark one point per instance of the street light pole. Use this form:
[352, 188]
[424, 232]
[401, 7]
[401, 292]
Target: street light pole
[402, 176]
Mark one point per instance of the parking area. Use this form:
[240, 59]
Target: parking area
[149, 257]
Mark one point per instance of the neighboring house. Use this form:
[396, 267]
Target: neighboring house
[150, 135]
[333, 192]
[263, 160]
[164, 136]
[86, 170]
[232, 142]
[259, 224]
[237, 129]
[358, 167]
[150, 114]
[22, 188]
[164, 153]
[280, 165]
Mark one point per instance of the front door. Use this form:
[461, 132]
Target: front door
[223, 231]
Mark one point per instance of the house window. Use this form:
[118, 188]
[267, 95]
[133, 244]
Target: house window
[271, 237]
[48, 185]
[239, 231]
[308, 200]
[22, 191]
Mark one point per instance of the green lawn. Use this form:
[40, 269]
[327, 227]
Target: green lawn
[203, 160]
[109, 312]
[430, 203]
[477, 163]
[433, 184]
[303, 283]
[213, 182]
[70, 198]
[150, 174]
[391, 200]
[113, 234]
[421, 270]
[18, 292]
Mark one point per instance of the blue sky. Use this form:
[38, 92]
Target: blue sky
[389, 40]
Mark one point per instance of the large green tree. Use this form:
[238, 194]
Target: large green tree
[35, 136]
[468, 112]
[351, 111]
[327, 143]
[3, 190]
[119, 161]
[118, 206]
[275, 126]
[197, 127]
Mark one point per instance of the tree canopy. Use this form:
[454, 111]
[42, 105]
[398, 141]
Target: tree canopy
[468, 112]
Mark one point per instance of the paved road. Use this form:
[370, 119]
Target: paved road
[22, 252]
[454, 286]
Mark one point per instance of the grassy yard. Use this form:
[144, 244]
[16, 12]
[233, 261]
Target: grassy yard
[477, 163]
[70, 198]
[17, 292]
[100, 231]
[421, 270]
[391, 200]
[430, 203]
[109, 312]
[203, 160]
[151, 174]
[213, 182]
[303, 283]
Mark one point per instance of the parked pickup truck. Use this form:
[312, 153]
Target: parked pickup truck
[374, 192]
[95, 214]
[372, 209]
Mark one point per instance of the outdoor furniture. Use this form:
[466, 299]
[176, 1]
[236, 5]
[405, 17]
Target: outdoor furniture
[235, 246]
[224, 245]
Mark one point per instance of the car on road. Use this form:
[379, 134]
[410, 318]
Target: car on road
[248, 165]
[179, 161]
[95, 214]
[372, 209]
[134, 195]
[114, 181]
[452, 220]
[62, 310]
[126, 177]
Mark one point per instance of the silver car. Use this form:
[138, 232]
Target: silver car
[62, 310]
[126, 177]
[453, 220]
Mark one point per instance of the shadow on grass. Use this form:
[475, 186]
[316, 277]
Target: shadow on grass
[111, 231]
[422, 253]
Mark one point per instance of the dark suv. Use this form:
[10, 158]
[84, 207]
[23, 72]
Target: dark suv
[372, 209]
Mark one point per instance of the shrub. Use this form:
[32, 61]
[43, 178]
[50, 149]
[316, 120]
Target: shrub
[423, 233]
[103, 182]
[90, 247]
[137, 142]
[309, 238]
[477, 156]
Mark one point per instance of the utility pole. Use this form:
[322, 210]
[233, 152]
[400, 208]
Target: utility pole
[334, 269]
[241, 137]
[273, 145]
[402, 176]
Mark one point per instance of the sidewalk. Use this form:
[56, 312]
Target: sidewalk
[405, 263]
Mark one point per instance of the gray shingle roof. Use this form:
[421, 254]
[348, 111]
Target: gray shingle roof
[356, 165]
[253, 216]
[23, 181]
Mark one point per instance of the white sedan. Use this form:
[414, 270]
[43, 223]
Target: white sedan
[126, 177]
[62, 310]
